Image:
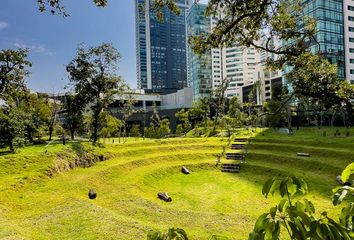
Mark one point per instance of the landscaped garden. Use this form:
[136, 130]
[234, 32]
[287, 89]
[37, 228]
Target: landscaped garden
[44, 194]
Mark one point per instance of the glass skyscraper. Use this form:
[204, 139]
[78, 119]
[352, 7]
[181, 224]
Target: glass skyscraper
[161, 48]
[199, 67]
[330, 30]
[140, 28]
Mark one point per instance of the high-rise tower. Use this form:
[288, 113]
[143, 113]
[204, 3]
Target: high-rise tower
[161, 48]
[234, 64]
[330, 30]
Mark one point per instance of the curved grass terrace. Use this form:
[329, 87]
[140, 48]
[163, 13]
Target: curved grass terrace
[205, 202]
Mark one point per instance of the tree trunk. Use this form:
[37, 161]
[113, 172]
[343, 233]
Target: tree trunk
[72, 133]
[94, 134]
[344, 119]
[50, 132]
[29, 136]
[125, 133]
[333, 117]
[11, 145]
[95, 126]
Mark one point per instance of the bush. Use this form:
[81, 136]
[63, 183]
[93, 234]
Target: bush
[179, 129]
[135, 131]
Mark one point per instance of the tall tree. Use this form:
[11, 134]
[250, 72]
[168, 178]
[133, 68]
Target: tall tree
[93, 74]
[126, 111]
[74, 107]
[13, 70]
[38, 107]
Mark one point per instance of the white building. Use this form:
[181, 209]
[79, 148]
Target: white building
[235, 64]
[348, 9]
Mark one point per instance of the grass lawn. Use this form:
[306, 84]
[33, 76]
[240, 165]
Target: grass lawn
[206, 202]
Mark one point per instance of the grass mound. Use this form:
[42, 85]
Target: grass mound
[36, 206]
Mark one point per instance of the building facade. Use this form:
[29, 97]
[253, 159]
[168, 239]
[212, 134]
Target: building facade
[349, 39]
[200, 77]
[235, 64]
[239, 66]
[330, 30]
[161, 48]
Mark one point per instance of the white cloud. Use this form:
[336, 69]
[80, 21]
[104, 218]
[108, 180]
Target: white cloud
[3, 25]
[38, 48]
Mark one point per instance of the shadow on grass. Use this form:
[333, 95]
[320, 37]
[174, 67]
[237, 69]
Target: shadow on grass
[5, 152]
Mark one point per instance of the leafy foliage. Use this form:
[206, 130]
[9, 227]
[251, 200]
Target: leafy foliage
[93, 73]
[348, 172]
[56, 6]
[184, 125]
[298, 218]
[110, 125]
[171, 234]
[74, 108]
[13, 94]
[135, 131]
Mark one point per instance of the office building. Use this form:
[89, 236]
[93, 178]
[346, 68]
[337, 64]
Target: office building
[330, 30]
[349, 39]
[206, 72]
[200, 77]
[161, 48]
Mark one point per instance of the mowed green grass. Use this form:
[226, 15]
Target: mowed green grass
[206, 202]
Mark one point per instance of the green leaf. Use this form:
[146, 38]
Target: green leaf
[254, 236]
[321, 231]
[177, 233]
[155, 235]
[218, 237]
[301, 229]
[335, 232]
[292, 188]
[301, 185]
[347, 217]
[309, 206]
[283, 187]
[340, 229]
[276, 230]
[261, 222]
[267, 186]
[282, 205]
[347, 172]
[339, 196]
[275, 187]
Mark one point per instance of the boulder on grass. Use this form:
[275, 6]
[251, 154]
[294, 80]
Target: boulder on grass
[185, 170]
[164, 196]
[92, 194]
[303, 154]
[284, 130]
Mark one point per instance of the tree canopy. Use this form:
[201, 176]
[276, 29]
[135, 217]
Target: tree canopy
[93, 75]
[57, 7]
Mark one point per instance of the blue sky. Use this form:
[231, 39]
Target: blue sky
[53, 40]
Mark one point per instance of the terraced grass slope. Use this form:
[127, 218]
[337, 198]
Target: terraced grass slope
[206, 202]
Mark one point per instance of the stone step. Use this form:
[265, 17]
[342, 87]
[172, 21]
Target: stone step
[237, 146]
[235, 156]
[231, 170]
[241, 140]
[230, 167]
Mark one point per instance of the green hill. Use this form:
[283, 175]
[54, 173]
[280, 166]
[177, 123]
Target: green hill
[43, 196]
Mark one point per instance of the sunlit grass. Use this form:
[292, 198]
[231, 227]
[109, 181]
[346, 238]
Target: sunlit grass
[206, 202]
